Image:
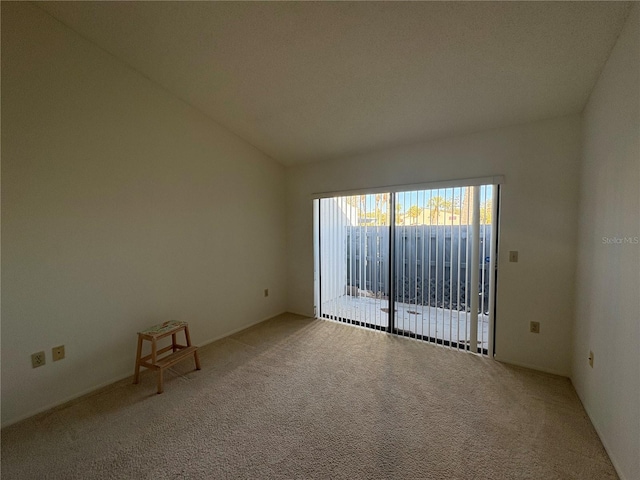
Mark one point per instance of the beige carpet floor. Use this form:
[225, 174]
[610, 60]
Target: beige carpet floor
[301, 398]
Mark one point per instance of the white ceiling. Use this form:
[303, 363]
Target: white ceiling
[310, 81]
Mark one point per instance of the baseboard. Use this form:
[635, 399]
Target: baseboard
[67, 400]
[531, 367]
[236, 330]
[100, 386]
[305, 315]
[604, 443]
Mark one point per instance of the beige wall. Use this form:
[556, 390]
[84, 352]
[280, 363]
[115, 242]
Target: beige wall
[538, 218]
[608, 287]
[121, 207]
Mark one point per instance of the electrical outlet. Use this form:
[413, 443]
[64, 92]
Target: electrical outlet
[38, 359]
[266, 292]
[534, 327]
[57, 353]
[591, 359]
[513, 256]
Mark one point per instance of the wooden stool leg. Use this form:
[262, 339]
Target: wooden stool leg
[160, 380]
[187, 336]
[136, 376]
[195, 354]
[173, 342]
[197, 359]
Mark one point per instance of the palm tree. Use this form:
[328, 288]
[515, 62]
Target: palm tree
[465, 211]
[352, 200]
[360, 202]
[399, 214]
[381, 205]
[413, 213]
[486, 212]
[438, 205]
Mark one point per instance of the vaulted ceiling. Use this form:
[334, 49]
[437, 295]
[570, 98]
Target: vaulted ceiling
[310, 81]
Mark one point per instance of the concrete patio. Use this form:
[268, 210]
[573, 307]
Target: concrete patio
[433, 323]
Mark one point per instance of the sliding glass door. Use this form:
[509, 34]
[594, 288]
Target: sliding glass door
[418, 263]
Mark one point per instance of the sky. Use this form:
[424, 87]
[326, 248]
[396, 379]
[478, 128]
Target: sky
[421, 198]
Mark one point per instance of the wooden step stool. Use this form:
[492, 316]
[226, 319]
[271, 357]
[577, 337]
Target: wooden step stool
[178, 352]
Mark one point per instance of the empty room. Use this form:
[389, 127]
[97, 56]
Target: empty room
[350, 240]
